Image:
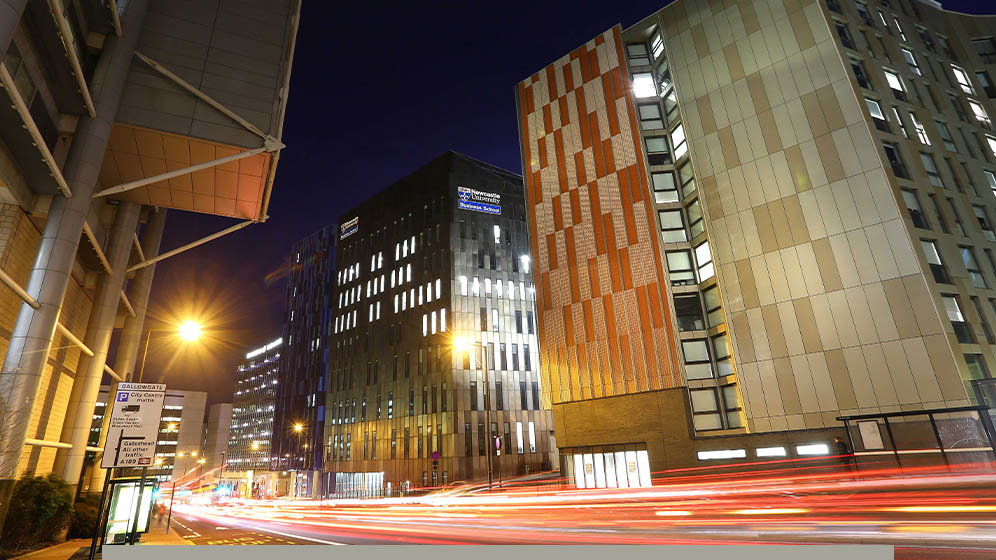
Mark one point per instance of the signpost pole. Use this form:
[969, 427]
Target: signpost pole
[138, 507]
[170, 516]
[100, 517]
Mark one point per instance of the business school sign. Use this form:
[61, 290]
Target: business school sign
[349, 228]
[478, 201]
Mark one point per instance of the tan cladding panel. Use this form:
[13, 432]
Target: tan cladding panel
[829, 309]
[19, 240]
[603, 316]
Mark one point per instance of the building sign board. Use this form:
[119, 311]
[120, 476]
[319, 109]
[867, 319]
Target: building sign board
[349, 228]
[478, 201]
[133, 428]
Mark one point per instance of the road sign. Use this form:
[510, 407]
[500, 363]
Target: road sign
[133, 429]
[434, 455]
[497, 442]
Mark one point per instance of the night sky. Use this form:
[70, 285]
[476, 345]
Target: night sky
[375, 92]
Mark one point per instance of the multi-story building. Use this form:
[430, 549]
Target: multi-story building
[217, 432]
[440, 255]
[181, 431]
[750, 219]
[188, 116]
[304, 368]
[250, 445]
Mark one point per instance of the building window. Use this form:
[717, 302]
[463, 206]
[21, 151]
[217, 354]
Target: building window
[945, 134]
[895, 84]
[899, 122]
[695, 224]
[963, 80]
[878, 117]
[899, 29]
[658, 152]
[468, 440]
[732, 405]
[921, 132]
[688, 309]
[518, 437]
[532, 437]
[721, 351]
[961, 329]
[984, 225]
[844, 34]
[933, 257]
[986, 82]
[972, 267]
[657, 45]
[895, 160]
[703, 258]
[637, 54]
[992, 144]
[687, 179]
[931, 168]
[982, 320]
[864, 14]
[650, 115]
[680, 270]
[697, 362]
[481, 439]
[665, 189]
[714, 311]
[672, 226]
[991, 180]
[643, 85]
[986, 48]
[678, 141]
[705, 410]
[980, 113]
[928, 41]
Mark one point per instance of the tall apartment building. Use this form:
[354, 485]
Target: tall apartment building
[250, 443]
[111, 117]
[304, 370]
[751, 218]
[440, 255]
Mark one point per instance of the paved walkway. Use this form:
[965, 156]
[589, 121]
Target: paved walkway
[79, 548]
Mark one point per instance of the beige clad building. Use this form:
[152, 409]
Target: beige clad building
[751, 218]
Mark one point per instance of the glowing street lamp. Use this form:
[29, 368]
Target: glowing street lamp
[462, 344]
[255, 446]
[189, 331]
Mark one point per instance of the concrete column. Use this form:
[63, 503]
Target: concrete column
[10, 17]
[131, 336]
[32, 336]
[100, 326]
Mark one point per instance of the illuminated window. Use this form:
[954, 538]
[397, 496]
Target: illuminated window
[678, 141]
[703, 257]
[643, 85]
[963, 80]
[665, 189]
[980, 113]
[895, 84]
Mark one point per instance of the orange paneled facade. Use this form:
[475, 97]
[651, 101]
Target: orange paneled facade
[605, 327]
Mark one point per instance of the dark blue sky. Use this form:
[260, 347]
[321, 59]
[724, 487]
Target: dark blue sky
[375, 92]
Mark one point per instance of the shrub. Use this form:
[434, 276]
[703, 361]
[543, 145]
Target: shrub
[84, 521]
[40, 508]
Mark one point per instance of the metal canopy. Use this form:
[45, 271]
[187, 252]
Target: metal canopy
[233, 189]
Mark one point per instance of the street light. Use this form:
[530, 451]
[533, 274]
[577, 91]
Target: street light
[189, 331]
[461, 344]
[299, 428]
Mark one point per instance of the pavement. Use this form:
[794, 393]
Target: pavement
[78, 549]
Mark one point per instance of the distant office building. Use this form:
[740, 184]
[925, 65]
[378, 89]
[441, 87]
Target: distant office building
[250, 443]
[217, 431]
[752, 218]
[304, 368]
[441, 254]
[105, 110]
[181, 431]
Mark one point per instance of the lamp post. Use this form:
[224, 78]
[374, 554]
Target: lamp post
[299, 428]
[462, 344]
